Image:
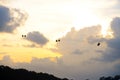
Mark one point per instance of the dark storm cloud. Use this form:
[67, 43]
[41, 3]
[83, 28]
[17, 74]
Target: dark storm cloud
[112, 53]
[4, 17]
[37, 37]
[10, 19]
[114, 43]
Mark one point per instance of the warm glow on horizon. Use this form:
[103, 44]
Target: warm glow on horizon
[22, 54]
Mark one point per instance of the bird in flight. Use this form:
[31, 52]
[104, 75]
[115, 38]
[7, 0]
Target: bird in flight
[23, 35]
[58, 40]
[98, 44]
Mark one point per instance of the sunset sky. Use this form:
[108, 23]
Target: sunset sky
[79, 24]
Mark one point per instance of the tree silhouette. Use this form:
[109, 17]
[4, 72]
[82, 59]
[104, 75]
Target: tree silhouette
[117, 77]
[7, 73]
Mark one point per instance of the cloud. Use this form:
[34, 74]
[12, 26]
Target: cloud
[112, 52]
[37, 37]
[31, 46]
[2, 52]
[81, 57]
[77, 51]
[11, 18]
[5, 2]
[6, 61]
[82, 40]
[117, 67]
[45, 64]
[61, 68]
[115, 27]
[111, 9]
[6, 45]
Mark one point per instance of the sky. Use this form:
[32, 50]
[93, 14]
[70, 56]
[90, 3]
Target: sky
[79, 24]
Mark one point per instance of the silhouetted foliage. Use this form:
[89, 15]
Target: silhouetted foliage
[117, 77]
[7, 73]
[102, 78]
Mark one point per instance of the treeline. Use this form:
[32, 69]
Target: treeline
[116, 77]
[7, 73]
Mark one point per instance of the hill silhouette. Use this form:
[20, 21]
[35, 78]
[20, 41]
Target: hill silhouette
[7, 73]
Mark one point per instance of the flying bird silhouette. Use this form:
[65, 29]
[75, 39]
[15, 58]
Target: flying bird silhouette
[98, 44]
[23, 35]
[58, 40]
